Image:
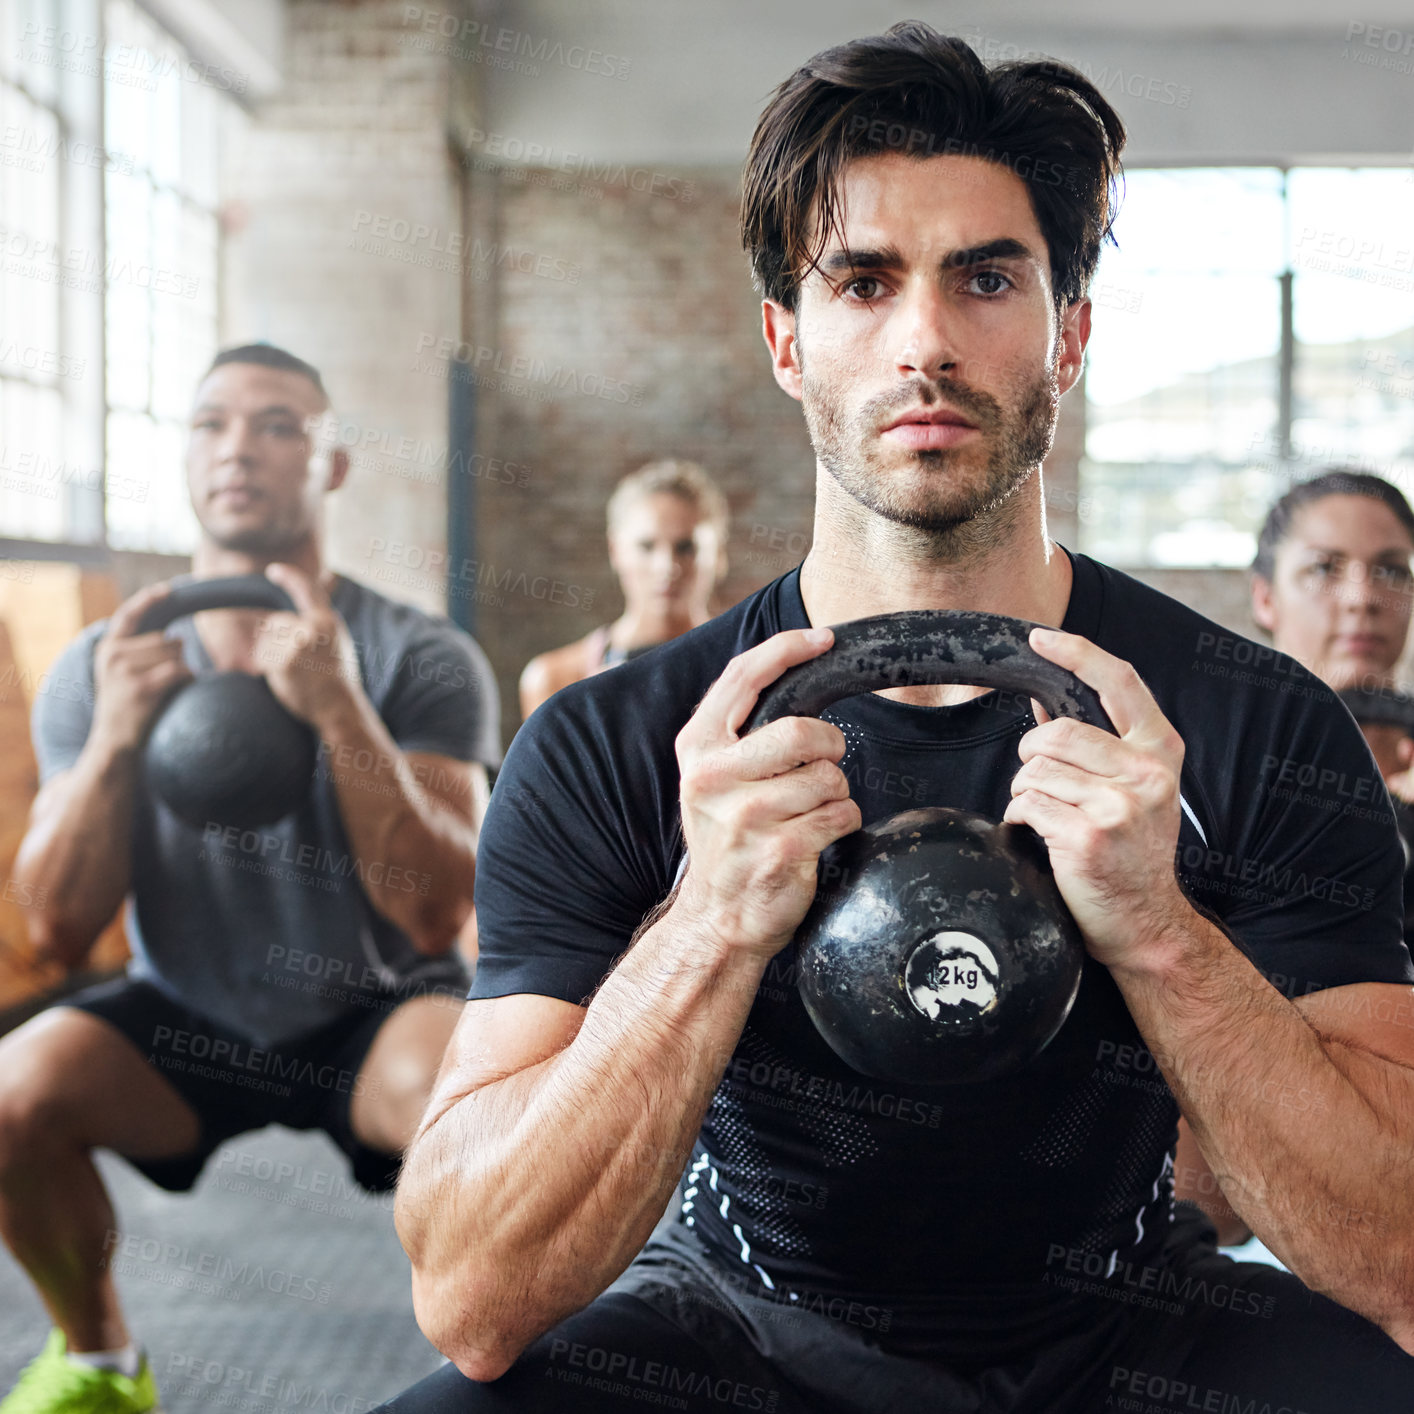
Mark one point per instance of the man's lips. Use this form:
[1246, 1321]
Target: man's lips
[924, 432]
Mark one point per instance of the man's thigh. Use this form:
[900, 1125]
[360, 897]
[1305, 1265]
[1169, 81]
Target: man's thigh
[1254, 1337]
[77, 1080]
[616, 1355]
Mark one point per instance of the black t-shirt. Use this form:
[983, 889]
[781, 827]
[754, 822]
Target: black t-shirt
[810, 1177]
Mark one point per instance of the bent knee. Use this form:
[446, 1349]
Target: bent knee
[33, 1121]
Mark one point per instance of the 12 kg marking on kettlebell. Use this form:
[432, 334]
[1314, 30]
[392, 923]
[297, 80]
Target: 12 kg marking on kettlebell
[949, 970]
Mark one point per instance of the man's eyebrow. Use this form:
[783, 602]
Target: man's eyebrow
[840, 262]
[1005, 248]
[848, 259]
[274, 410]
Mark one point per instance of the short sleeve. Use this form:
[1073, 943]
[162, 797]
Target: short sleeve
[1309, 883]
[63, 706]
[575, 851]
[443, 697]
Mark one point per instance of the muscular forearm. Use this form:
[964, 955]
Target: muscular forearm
[1297, 1128]
[1193, 1180]
[523, 1200]
[419, 860]
[74, 863]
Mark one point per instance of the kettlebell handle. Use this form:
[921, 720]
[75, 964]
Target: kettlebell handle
[921, 647]
[239, 591]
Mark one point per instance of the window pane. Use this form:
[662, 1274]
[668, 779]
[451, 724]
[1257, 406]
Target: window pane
[1182, 391]
[1226, 220]
[148, 508]
[1353, 238]
[42, 489]
[32, 471]
[162, 327]
[1182, 383]
[35, 63]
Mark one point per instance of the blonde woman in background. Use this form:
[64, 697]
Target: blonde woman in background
[667, 525]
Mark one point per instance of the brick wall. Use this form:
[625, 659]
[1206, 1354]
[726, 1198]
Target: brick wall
[639, 338]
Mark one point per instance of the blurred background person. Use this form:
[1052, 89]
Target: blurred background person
[384, 849]
[1331, 585]
[668, 548]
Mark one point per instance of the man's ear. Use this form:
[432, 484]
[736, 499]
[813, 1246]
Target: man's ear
[778, 327]
[1074, 336]
[1263, 610]
[338, 469]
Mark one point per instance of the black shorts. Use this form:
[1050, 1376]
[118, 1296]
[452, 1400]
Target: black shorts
[1204, 1333]
[234, 1085]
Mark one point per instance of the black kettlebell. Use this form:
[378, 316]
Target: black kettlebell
[224, 751]
[1387, 707]
[938, 950]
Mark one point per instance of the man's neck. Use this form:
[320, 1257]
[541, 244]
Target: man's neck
[211, 561]
[231, 636]
[861, 564]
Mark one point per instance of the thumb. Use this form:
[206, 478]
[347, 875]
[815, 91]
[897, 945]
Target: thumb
[308, 596]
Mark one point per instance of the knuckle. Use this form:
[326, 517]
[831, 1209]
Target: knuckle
[778, 854]
[1039, 768]
[695, 784]
[795, 736]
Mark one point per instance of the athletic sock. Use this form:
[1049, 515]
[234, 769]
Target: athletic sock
[126, 1361]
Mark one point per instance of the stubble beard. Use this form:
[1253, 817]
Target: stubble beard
[937, 496]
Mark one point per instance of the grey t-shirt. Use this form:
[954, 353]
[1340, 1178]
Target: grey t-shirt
[270, 931]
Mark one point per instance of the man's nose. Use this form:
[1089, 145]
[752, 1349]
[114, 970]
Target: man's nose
[236, 442]
[928, 335]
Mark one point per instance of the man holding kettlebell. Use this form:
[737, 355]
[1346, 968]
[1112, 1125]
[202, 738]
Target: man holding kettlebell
[304, 972]
[924, 231]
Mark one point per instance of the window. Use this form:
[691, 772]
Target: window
[109, 154]
[51, 480]
[161, 229]
[1253, 326]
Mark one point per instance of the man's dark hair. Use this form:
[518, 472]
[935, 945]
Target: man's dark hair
[923, 94]
[267, 356]
[1335, 481]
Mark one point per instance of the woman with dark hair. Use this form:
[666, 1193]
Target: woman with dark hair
[1331, 584]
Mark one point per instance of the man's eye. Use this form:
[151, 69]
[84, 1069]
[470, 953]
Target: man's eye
[863, 287]
[991, 282]
[1397, 576]
[283, 429]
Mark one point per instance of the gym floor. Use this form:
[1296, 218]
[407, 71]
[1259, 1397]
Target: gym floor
[276, 1284]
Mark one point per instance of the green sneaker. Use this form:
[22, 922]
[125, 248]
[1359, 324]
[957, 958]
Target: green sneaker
[54, 1384]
